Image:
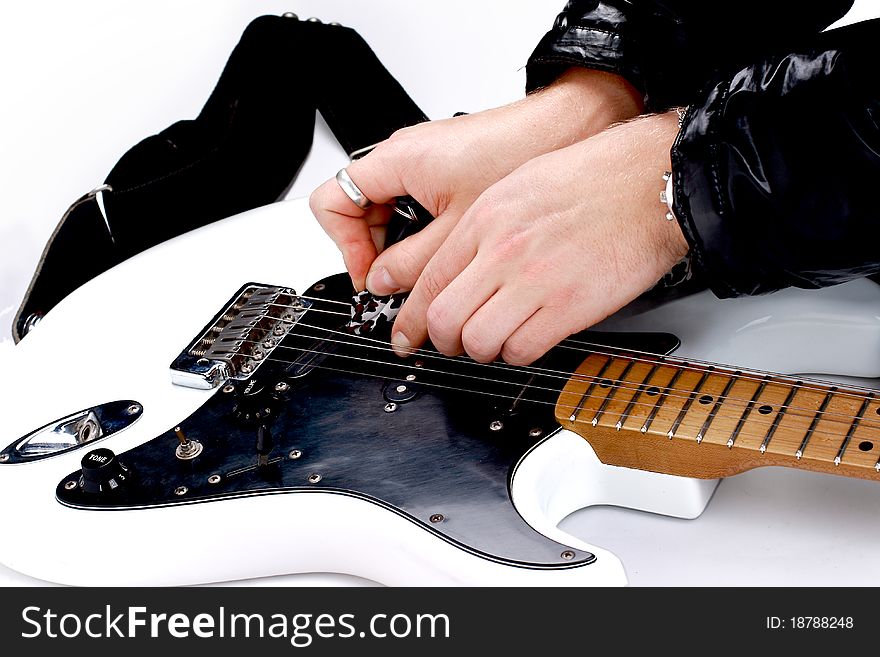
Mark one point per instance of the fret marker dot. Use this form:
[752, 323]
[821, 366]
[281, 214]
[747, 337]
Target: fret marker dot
[866, 445]
[653, 390]
[706, 399]
[765, 410]
[606, 383]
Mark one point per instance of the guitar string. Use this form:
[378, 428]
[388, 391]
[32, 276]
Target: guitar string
[636, 387]
[743, 435]
[746, 374]
[639, 387]
[632, 403]
[383, 346]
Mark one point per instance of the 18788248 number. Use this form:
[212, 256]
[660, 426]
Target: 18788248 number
[810, 623]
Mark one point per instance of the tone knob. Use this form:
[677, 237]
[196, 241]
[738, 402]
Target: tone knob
[102, 472]
[254, 404]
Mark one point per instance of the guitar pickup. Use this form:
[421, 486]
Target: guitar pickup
[240, 337]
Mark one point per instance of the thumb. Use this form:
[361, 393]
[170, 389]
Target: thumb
[399, 266]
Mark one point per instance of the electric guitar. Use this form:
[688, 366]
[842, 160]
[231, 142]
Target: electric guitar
[216, 409]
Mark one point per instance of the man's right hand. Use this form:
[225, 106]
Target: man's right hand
[445, 165]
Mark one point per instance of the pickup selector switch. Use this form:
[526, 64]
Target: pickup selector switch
[102, 472]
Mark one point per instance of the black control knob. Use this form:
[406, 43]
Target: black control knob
[254, 404]
[102, 472]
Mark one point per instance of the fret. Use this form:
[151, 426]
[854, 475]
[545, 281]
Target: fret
[853, 427]
[687, 404]
[718, 401]
[865, 438]
[588, 392]
[800, 451]
[779, 414]
[745, 413]
[635, 397]
[662, 398]
[611, 393]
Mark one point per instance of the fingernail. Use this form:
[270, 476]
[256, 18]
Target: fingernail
[381, 282]
[400, 344]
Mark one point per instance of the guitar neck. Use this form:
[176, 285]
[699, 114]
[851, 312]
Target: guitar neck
[699, 420]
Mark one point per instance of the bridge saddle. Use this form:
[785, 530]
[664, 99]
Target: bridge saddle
[240, 337]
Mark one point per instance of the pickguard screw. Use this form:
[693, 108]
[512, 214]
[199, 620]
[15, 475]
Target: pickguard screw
[281, 386]
[181, 490]
[228, 388]
[313, 19]
[437, 517]
[534, 433]
[390, 407]
[289, 14]
[410, 377]
[568, 555]
[214, 479]
[419, 363]
[401, 388]
[314, 478]
[133, 409]
[70, 485]
[496, 425]
[295, 454]
[319, 287]
[4, 458]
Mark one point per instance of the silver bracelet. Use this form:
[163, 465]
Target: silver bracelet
[682, 112]
[666, 196]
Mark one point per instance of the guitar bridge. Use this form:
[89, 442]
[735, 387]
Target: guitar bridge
[240, 337]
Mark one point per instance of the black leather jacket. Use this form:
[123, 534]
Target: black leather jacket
[775, 165]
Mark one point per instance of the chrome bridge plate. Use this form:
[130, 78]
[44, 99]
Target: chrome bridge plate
[240, 337]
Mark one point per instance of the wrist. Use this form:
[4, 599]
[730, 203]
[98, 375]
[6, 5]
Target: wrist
[644, 147]
[608, 97]
[579, 104]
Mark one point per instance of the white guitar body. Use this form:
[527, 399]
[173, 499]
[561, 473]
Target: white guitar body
[114, 338]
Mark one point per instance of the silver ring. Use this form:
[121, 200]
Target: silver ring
[352, 191]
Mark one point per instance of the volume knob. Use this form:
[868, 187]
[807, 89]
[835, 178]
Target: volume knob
[102, 472]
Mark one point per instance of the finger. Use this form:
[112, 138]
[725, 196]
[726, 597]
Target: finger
[349, 227]
[410, 329]
[486, 331]
[398, 267]
[455, 305]
[534, 338]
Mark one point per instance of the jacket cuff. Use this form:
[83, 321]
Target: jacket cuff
[596, 38]
[699, 202]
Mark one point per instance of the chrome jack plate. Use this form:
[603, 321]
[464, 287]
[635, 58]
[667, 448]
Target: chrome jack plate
[73, 431]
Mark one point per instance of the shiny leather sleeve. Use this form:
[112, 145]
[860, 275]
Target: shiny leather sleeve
[668, 49]
[776, 169]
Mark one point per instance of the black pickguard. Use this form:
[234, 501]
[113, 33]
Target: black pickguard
[443, 457]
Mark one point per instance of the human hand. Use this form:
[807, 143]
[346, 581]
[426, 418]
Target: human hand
[445, 165]
[556, 246]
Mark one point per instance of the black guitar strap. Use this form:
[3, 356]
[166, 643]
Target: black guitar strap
[242, 151]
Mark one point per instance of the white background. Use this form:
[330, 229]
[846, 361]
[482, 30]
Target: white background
[84, 81]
